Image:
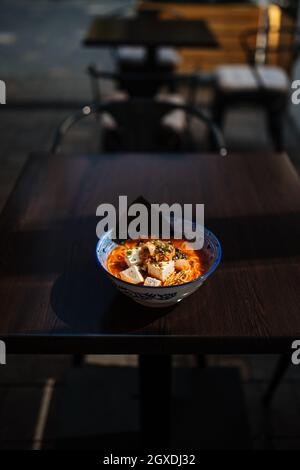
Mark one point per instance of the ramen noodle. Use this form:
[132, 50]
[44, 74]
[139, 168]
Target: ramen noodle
[156, 262]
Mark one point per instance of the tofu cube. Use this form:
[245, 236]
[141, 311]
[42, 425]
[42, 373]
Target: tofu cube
[132, 275]
[132, 256]
[182, 265]
[151, 247]
[150, 281]
[161, 270]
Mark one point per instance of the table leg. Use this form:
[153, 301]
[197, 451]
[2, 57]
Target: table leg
[155, 400]
[201, 361]
[152, 59]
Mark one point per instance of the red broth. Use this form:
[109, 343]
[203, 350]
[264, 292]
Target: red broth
[196, 258]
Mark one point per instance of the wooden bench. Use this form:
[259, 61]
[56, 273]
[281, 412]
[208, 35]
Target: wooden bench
[226, 23]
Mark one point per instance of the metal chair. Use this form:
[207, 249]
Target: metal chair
[139, 124]
[286, 41]
[258, 82]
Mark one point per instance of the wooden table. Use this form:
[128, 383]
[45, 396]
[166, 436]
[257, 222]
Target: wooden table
[54, 298]
[149, 32]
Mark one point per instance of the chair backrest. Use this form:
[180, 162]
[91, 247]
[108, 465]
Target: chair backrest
[140, 120]
[264, 44]
[141, 79]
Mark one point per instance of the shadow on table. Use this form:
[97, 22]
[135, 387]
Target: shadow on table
[257, 237]
[87, 301]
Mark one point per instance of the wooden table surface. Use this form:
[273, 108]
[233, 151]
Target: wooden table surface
[149, 32]
[55, 299]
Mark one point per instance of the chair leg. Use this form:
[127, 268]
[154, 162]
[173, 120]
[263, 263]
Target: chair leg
[218, 116]
[219, 108]
[281, 367]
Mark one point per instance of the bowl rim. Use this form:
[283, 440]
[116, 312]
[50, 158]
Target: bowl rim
[202, 277]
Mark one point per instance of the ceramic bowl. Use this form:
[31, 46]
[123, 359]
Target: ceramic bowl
[160, 296]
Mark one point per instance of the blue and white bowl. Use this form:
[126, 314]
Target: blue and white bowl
[160, 296]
